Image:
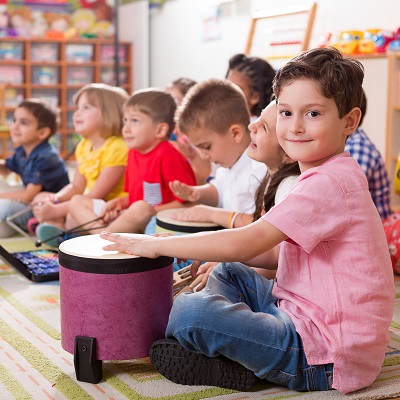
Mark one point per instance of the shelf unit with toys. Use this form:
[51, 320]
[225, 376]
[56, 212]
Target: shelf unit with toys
[54, 70]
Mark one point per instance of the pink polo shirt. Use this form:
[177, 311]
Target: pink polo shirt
[334, 278]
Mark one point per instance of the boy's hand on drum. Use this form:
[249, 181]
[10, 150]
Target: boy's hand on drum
[197, 268]
[199, 213]
[184, 192]
[136, 245]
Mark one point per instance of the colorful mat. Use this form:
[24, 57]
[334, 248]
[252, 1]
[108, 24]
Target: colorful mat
[33, 364]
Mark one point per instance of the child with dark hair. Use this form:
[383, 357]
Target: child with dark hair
[35, 160]
[254, 76]
[323, 323]
[153, 162]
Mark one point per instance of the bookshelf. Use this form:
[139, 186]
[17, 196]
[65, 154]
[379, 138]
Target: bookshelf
[55, 70]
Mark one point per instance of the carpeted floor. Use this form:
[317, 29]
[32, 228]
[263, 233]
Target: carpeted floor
[33, 364]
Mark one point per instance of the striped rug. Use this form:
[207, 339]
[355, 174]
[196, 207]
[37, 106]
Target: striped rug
[33, 364]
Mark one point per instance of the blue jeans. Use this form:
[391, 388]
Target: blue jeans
[9, 207]
[237, 316]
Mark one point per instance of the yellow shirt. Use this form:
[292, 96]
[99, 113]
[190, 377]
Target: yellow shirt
[112, 153]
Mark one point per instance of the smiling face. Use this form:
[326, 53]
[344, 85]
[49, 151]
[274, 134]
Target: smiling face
[24, 130]
[308, 126]
[140, 131]
[87, 118]
[264, 146]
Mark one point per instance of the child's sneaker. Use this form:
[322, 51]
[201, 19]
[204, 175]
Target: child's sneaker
[50, 234]
[181, 366]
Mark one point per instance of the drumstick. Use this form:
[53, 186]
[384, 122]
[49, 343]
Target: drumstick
[189, 288]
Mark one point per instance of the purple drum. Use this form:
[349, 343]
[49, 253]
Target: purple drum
[113, 305]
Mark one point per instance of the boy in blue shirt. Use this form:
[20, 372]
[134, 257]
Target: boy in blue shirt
[35, 160]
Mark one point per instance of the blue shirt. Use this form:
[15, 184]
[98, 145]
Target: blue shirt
[370, 160]
[42, 167]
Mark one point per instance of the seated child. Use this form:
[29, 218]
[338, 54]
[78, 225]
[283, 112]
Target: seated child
[254, 76]
[201, 166]
[323, 323]
[215, 117]
[370, 160]
[281, 176]
[35, 160]
[153, 162]
[101, 157]
[178, 89]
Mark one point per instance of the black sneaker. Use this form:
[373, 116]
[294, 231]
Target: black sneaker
[181, 366]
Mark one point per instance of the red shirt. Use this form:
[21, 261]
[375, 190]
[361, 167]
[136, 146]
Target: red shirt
[147, 176]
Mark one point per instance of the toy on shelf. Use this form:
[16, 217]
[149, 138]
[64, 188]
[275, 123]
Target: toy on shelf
[382, 40]
[394, 45]
[367, 44]
[348, 41]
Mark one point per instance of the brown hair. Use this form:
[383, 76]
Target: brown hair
[159, 105]
[110, 101]
[213, 104]
[46, 116]
[265, 194]
[339, 78]
[183, 84]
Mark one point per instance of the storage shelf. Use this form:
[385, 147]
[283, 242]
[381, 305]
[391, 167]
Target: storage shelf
[55, 70]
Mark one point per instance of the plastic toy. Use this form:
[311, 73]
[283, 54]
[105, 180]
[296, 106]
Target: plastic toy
[382, 40]
[367, 44]
[349, 41]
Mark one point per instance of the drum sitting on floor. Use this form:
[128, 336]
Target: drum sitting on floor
[113, 305]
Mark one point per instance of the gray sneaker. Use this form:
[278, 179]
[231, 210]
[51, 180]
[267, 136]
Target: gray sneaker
[182, 366]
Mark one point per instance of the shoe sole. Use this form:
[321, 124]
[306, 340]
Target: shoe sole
[181, 366]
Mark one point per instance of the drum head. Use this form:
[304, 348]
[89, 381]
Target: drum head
[86, 254]
[164, 220]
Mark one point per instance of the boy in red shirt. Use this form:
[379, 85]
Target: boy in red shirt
[153, 162]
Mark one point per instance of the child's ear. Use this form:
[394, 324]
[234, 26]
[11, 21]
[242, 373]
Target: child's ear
[44, 133]
[352, 120]
[162, 130]
[237, 132]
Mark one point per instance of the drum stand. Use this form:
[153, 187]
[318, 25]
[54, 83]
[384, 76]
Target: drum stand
[87, 367]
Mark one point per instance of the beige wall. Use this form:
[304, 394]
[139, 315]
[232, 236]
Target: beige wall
[176, 48]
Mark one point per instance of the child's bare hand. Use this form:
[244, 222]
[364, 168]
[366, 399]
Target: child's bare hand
[137, 245]
[198, 268]
[199, 213]
[184, 192]
[43, 210]
[110, 211]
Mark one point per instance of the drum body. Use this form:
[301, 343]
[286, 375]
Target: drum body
[122, 301]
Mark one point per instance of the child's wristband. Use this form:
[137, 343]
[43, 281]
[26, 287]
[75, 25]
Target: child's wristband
[234, 219]
[231, 215]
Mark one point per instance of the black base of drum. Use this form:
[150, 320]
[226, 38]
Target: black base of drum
[87, 367]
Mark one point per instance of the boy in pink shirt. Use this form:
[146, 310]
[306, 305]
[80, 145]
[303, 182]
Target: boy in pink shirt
[323, 323]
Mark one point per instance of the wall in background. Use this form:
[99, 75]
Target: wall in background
[177, 48]
[134, 27]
